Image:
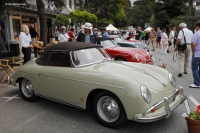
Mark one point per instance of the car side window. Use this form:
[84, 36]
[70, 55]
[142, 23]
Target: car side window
[61, 59]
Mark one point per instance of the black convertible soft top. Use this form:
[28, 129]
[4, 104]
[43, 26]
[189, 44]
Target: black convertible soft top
[63, 46]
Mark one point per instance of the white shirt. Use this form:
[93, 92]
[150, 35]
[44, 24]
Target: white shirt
[25, 40]
[63, 37]
[171, 36]
[188, 35]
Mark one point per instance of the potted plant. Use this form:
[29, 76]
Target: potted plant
[193, 121]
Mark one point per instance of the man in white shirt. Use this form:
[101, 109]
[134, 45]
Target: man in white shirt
[183, 55]
[63, 36]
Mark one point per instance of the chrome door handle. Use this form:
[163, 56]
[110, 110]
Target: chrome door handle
[41, 74]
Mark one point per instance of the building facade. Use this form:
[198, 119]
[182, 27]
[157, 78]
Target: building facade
[26, 13]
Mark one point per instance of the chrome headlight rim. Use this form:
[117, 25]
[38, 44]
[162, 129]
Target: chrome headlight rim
[137, 57]
[172, 80]
[146, 95]
[149, 55]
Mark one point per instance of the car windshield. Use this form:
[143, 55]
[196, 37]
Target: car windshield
[87, 56]
[117, 40]
[108, 44]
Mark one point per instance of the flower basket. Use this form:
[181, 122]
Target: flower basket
[193, 125]
[193, 121]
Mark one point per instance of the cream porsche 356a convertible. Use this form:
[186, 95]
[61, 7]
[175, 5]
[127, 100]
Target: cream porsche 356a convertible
[83, 75]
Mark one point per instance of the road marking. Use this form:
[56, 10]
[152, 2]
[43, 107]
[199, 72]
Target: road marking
[196, 103]
[11, 98]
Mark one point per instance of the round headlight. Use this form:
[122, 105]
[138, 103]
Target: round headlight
[172, 79]
[145, 94]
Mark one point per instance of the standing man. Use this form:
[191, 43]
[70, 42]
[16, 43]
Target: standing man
[104, 33]
[171, 39]
[138, 33]
[196, 57]
[158, 39]
[86, 34]
[63, 36]
[33, 36]
[183, 55]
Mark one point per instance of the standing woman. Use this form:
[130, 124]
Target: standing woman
[25, 41]
[153, 38]
[164, 40]
[63, 36]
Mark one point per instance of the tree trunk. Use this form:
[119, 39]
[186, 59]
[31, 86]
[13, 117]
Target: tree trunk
[43, 21]
[191, 10]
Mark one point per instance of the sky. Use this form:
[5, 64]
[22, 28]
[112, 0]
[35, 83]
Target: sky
[132, 1]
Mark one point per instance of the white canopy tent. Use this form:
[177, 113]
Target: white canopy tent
[148, 29]
[111, 27]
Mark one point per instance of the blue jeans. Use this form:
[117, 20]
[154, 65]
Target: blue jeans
[196, 70]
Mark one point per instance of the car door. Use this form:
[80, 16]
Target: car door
[58, 80]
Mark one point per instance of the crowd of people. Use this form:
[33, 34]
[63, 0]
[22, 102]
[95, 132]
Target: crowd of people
[183, 42]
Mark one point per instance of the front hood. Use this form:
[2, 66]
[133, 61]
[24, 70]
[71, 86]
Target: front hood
[141, 52]
[153, 77]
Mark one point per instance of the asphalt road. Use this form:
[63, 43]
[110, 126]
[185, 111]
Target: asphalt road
[44, 116]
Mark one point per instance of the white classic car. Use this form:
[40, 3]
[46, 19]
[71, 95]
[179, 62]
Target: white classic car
[83, 75]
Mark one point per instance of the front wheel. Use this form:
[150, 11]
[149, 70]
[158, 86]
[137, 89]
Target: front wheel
[27, 91]
[109, 110]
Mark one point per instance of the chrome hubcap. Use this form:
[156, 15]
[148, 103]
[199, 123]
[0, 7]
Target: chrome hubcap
[27, 88]
[108, 109]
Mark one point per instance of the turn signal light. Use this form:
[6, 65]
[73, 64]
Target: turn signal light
[154, 110]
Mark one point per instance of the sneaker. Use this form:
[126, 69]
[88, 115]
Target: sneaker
[180, 75]
[194, 86]
[185, 72]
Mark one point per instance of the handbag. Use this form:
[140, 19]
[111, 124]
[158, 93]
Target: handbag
[182, 47]
[166, 43]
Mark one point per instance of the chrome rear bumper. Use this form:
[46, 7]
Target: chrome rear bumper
[165, 111]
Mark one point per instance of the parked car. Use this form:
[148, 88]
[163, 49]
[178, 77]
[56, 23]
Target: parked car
[84, 76]
[127, 54]
[135, 44]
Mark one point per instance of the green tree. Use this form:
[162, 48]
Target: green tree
[108, 9]
[142, 12]
[61, 20]
[78, 16]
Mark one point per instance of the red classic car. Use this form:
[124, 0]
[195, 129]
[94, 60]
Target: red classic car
[127, 54]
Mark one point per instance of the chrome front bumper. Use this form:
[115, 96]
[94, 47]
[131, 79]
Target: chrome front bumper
[9, 79]
[165, 111]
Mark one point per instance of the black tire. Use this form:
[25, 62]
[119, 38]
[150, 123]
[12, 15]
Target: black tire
[27, 91]
[103, 108]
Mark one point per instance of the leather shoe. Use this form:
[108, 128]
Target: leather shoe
[185, 72]
[180, 75]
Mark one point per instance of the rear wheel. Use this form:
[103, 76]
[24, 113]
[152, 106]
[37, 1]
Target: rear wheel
[109, 110]
[27, 91]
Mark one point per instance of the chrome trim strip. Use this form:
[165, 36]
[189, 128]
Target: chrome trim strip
[101, 84]
[59, 101]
